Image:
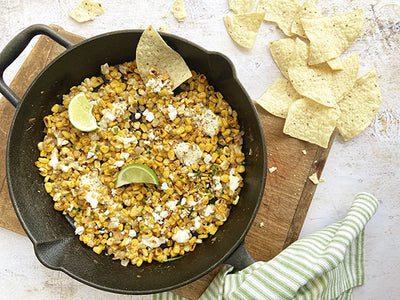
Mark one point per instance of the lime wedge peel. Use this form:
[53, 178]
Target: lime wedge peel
[80, 113]
[136, 173]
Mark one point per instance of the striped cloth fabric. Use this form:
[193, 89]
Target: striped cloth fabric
[323, 265]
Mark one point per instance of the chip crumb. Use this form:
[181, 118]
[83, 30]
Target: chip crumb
[314, 178]
[164, 28]
[304, 151]
[272, 169]
[165, 15]
[261, 224]
[322, 179]
[178, 10]
[86, 11]
[140, 25]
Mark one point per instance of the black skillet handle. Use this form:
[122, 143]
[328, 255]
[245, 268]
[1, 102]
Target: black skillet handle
[240, 258]
[15, 47]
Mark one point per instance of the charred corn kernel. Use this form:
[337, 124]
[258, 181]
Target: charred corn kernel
[48, 187]
[240, 169]
[225, 178]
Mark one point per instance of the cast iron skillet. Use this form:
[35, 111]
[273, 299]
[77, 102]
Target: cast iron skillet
[54, 241]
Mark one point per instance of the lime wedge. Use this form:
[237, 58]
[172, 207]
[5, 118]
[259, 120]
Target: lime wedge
[80, 113]
[136, 173]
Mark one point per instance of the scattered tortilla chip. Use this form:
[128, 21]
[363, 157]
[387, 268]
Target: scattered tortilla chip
[330, 36]
[359, 107]
[311, 122]
[289, 53]
[322, 85]
[243, 28]
[86, 11]
[314, 178]
[335, 64]
[277, 99]
[153, 52]
[281, 12]
[308, 10]
[304, 151]
[178, 10]
[241, 6]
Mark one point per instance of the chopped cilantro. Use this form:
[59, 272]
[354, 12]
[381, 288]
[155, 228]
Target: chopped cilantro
[116, 129]
[141, 226]
[92, 216]
[97, 148]
[200, 186]
[214, 170]
[219, 151]
[243, 162]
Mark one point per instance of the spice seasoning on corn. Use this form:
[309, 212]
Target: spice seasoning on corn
[191, 140]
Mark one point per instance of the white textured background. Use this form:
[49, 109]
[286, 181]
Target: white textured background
[370, 162]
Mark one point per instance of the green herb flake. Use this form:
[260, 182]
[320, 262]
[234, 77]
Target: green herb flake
[97, 148]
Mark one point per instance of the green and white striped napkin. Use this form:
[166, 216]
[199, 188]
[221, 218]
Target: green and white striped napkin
[323, 265]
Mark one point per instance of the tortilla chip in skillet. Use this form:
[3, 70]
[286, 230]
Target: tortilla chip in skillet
[153, 53]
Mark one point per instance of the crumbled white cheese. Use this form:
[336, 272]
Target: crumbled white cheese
[124, 155]
[113, 192]
[91, 154]
[64, 168]
[172, 112]
[164, 186]
[61, 141]
[197, 223]
[207, 158]
[137, 116]
[209, 210]
[233, 180]
[149, 115]
[171, 204]
[183, 201]
[181, 236]
[54, 159]
[119, 163]
[188, 154]
[132, 233]
[91, 198]
[164, 214]
[79, 230]
[216, 184]
[152, 242]
[128, 141]
[171, 176]
[207, 122]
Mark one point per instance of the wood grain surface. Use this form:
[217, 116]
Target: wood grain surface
[288, 191]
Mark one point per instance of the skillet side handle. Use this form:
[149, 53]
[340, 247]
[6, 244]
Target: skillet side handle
[15, 47]
[240, 258]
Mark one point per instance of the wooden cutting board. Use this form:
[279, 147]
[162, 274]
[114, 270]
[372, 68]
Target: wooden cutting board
[288, 192]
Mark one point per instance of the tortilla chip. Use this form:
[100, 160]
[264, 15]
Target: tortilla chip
[153, 52]
[322, 85]
[178, 10]
[243, 28]
[281, 12]
[278, 98]
[86, 11]
[241, 6]
[311, 122]
[289, 53]
[359, 106]
[335, 64]
[330, 36]
[308, 10]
